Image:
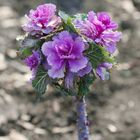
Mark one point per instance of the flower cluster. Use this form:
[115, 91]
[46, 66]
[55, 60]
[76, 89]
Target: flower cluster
[100, 29]
[42, 20]
[69, 49]
[65, 54]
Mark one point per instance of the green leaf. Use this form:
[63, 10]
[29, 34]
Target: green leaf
[65, 91]
[64, 16]
[68, 25]
[24, 52]
[84, 84]
[97, 55]
[41, 81]
[28, 44]
[82, 16]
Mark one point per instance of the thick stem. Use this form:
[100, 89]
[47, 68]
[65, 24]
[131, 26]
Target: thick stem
[82, 121]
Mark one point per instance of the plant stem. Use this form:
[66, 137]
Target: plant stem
[82, 121]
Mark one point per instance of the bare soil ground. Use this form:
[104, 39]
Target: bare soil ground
[113, 106]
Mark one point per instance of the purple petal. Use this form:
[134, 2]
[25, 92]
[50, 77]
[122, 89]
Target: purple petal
[102, 73]
[56, 73]
[76, 65]
[106, 65]
[102, 70]
[111, 36]
[54, 61]
[91, 16]
[64, 35]
[111, 47]
[47, 30]
[104, 17]
[33, 60]
[112, 25]
[52, 57]
[47, 48]
[79, 44]
[79, 47]
[109, 40]
[85, 70]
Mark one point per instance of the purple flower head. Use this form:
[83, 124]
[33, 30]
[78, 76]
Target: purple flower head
[106, 20]
[42, 20]
[33, 60]
[100, 28]
[102, 70]
[65, 54]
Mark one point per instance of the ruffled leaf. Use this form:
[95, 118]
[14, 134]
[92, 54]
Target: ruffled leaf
[61, 88]
[98, 54]
[84, 84]
[41, 81]
[67, 19]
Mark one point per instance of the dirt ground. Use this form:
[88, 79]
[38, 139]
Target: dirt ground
[113, 106]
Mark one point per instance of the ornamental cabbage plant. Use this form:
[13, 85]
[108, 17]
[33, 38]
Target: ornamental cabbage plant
[69, 53]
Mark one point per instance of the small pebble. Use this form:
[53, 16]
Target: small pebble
[112, 128]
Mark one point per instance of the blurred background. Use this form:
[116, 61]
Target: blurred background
[113, 106]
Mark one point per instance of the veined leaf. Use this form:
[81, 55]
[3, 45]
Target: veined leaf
[41, 81]
[67, 21]
[70, 24]
[84, 84]
[65, 91]
[97, 55]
